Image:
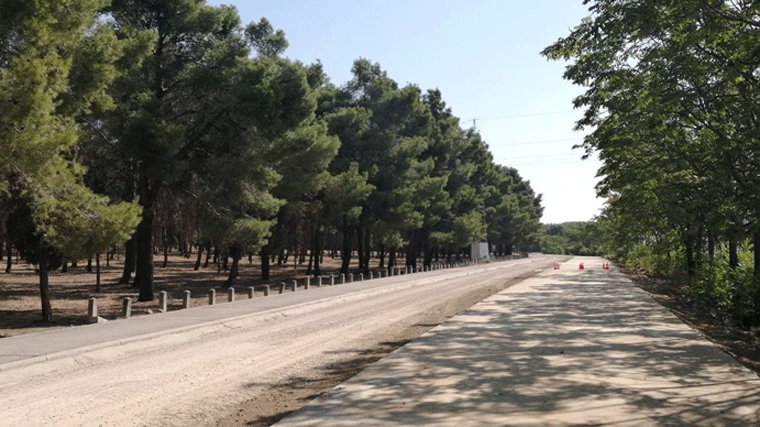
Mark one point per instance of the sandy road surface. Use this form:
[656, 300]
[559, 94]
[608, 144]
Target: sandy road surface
[236, 376]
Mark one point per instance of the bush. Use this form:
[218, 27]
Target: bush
[730, 293]
[644, 258]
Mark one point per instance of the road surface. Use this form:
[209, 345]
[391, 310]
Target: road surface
[199, 379]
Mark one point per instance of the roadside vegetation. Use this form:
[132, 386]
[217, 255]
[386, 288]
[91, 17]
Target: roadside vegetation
[572, 238]
[142, 127]
[672, 94]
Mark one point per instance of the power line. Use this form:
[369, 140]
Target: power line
[516, 116]
[536, 142]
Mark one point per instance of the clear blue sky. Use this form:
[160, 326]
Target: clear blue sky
[482, 55]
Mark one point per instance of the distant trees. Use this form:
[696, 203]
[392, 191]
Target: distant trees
[210, 139]
[574, 238]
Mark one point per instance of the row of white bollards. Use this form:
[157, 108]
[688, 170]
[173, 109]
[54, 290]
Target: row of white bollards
[126, 311]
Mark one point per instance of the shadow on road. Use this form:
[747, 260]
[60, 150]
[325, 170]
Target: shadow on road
[571, 349]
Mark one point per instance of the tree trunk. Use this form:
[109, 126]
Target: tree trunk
[265, 263]
[47, 309]
[381, 263]
[166, 246]
[144, 251]
[733, 254]
[208, 255]
[199, 259]
[97, 272]
[236, 255]
[367, 251]
[89, 265]
[129, 261]
[317, 251]
[756, 253]
[360, 244]
[691, 263]
[428, 249]
[9, 260]
[345, 253]
[392, 258]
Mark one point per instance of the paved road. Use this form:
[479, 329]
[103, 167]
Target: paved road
[567, 348]
[188, 367]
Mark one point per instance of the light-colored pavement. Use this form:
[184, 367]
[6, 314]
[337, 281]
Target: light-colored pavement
[62, 344]
[566, 348]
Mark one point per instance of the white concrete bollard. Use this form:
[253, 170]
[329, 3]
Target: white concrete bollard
[92, 310]
[350, 277]
[282, 287]
[230, 294]
[371, 275]
[308, 283]
[186, 299]
[342, 279]
[361, 277]
[319, 281]
[295, 285]
[266, 290]
[211, 296]
[126, 308]
[251, 291]
[332, 280]
[162, 297]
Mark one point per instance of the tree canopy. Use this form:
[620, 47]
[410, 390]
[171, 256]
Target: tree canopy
[132, 122]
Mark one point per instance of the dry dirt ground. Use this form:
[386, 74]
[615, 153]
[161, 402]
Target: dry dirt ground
[20, 297]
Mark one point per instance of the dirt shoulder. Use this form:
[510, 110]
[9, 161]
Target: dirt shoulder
[742, 344]
[70, 291]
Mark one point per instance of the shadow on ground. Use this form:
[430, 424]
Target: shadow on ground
[577, 349]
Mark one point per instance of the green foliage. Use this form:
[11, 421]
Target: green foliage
[248, 235]
[648, 259]
[78, 223]
[573, 238]
[671, 97]
[730, 293]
